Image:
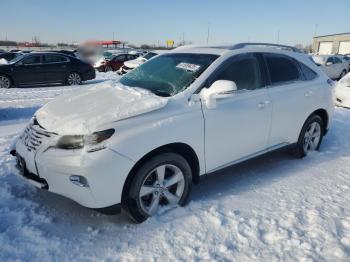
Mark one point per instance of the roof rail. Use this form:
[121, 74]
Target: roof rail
[242, 45]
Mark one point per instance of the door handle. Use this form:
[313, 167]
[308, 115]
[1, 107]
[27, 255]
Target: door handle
[262, 105]
[308, 93]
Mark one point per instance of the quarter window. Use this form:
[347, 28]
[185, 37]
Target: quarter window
[34, 59]
[308, 73]
[281, 69]
[245, 72]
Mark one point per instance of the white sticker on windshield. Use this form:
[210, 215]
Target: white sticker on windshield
[188, 67]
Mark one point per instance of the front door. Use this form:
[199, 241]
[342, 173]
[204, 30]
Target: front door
[29, 70]
[239, 125]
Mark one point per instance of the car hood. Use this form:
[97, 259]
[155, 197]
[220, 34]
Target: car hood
[133, 63]
[82, 112]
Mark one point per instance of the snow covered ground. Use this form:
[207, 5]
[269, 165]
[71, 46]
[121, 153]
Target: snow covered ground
[274, 208]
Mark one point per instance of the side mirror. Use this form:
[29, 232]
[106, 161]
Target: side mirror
[329, 63]
[218, 90]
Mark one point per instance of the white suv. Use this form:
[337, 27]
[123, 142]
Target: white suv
[140, 143]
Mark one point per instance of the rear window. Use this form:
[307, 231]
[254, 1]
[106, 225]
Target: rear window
[281, 69]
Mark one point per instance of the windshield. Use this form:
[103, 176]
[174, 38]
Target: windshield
[167, 75]
[17, 58]
[319, 59]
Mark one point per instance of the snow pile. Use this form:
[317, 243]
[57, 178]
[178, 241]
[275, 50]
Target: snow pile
[80, 112]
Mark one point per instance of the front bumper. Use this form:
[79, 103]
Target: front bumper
[89, 75]
[105, 171]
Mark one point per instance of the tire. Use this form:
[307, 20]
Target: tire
[5, 82]
[73, 78]
[343, 73]
[310, 137]
[148, 191]
[108, 69]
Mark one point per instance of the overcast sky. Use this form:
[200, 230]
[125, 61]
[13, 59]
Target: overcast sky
[152, 21]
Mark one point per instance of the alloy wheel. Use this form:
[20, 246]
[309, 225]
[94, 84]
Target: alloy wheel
[163, 186]
[5, 82]
[74, 79]
[312, 137]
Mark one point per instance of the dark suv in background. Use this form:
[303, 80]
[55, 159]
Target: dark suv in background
[43, 68]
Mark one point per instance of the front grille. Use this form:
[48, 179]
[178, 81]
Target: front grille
[33, 136]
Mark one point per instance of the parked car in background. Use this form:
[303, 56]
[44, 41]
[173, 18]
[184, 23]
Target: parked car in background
[333, 65]
[2, 51]
[346, 57]
[342, 91]
[132, 64]
[140, 145]
[44, 67]
[8, 56]
[114, 62]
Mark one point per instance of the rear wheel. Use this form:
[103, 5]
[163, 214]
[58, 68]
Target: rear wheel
[310, 137]
[73, 79]
[163, 181]
[5, 82]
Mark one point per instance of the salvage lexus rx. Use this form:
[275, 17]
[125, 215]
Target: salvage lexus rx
[138, 144]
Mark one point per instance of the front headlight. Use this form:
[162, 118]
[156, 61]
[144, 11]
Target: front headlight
[70, 142]
[93, 142]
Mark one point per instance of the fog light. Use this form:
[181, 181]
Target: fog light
[79, 181]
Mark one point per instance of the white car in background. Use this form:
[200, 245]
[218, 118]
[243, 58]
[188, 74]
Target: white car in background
[132, 64]
[342, 91]
[139, 144]
[333, 65]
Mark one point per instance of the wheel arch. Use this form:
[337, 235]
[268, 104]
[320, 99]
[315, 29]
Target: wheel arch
[182, 149]
[324, 115]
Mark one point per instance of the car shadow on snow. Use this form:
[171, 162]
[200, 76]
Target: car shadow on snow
[17, 113]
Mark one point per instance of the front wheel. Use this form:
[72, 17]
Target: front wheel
[162, 181]
[310, 137]
[73, 79]
[108, 69]
[5, 82]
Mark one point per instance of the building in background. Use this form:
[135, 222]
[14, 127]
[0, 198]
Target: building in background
[332, 44]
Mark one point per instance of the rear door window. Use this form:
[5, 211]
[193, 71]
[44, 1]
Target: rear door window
[48, 59]
[282, 69]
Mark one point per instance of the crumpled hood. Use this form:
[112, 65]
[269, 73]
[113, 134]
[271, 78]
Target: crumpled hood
[81, 111]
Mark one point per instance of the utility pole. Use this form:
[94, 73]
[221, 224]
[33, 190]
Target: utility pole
[208, 33]
[183, 38]
[316, 27]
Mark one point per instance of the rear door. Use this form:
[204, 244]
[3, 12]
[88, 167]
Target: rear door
[239, 125]
[292, 97]
[119, 61]
[29, 70]
[55, 67]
